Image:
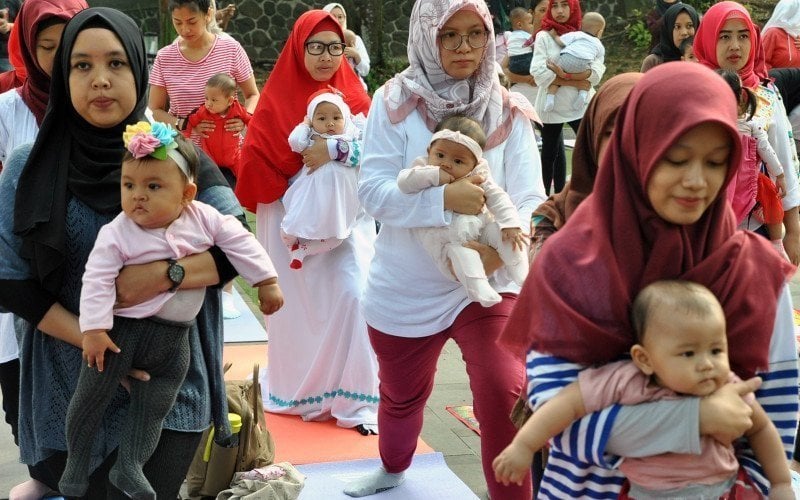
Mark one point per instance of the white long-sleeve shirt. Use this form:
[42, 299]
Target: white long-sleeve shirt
[434, 301]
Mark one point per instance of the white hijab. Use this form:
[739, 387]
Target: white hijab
[785, 16]
[425, 85]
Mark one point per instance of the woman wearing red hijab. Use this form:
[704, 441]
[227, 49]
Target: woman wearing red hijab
[563, 16]
[728, 39]
[320, 362]
[657, 211]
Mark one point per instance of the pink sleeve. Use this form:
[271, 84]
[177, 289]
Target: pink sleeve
[98, 292]
[240, 246]
[157, 73]
[242, 69]
[617, 383]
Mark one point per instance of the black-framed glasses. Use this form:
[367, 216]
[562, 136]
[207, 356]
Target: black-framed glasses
[476, 39]
[319, 48]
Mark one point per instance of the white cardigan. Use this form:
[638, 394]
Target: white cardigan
[546, 48]
[406, 295]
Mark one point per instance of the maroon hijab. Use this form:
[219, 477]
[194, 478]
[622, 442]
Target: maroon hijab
[36, 89]
[599, 115]
[575, 302]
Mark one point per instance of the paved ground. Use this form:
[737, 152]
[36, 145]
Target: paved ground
[442, 431]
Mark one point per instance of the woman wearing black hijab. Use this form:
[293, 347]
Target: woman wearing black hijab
[55, 196]
[678, 23]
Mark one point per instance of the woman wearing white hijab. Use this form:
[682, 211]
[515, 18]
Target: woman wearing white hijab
[781, 36]
[357, 56]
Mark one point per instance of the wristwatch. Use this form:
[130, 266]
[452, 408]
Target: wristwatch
[343, 149]
[175, 274]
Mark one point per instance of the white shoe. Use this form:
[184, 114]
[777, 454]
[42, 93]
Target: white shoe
[229, 310]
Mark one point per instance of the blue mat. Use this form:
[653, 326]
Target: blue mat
[245, 328]
[428, 478]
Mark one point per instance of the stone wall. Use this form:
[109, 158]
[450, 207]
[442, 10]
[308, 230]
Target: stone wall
[262, 26]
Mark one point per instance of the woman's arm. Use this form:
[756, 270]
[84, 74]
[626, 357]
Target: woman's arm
[362, 65]
[250, 94]
[544, 48]
[157, 102]
[385, 150]
[515, 78]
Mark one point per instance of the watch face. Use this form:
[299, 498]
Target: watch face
[343, 147]
[175, 273]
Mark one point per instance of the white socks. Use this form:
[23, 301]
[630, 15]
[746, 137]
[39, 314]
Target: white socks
[583, 98]
[374, 482]
[229, 310]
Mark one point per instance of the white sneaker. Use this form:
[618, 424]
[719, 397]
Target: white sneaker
[229, 310]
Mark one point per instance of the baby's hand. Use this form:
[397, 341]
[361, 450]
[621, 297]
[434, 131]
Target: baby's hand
[270, 296]
[780, 184]
[445, 178]
[514, 236]
[781, 491]
[95, 343]
[512, 464]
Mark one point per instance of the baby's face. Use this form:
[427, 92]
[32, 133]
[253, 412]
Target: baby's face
[526, 23]
[154, 192]
[688, 54]
[688, 351]
[216, 100]
[452, 157]
[328, 119]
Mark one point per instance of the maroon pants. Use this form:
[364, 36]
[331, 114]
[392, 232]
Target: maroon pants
[406, 371]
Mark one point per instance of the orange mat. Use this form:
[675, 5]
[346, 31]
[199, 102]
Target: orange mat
[300, 442]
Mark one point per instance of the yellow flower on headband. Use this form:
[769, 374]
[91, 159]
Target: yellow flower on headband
[132, 130]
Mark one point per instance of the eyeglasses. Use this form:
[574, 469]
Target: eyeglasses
[319, 48]
[476, 39]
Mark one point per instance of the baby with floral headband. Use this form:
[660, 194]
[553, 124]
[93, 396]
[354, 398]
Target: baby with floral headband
[456, 151]
[160, 221]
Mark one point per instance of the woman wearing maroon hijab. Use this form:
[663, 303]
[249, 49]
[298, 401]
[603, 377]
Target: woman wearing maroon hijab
[728, 39]
[321, 365]
[657, 211]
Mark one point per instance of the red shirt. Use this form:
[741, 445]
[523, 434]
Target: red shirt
[779, 49]
[222, 146]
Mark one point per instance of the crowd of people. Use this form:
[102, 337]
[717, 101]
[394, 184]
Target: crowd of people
[639, 309]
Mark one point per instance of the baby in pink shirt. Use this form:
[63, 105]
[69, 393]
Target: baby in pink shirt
[160, 221]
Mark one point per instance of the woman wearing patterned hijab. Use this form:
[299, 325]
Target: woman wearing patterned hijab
[411, 307]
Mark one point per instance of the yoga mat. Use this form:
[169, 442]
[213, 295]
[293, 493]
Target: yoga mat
[428, 478]
[297, 441]
[466, 416]
[245, 328]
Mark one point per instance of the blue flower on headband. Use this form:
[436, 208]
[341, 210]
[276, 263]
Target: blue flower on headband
[164, 133]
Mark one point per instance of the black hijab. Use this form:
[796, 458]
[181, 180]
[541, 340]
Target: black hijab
[73, 158]
[666, 48]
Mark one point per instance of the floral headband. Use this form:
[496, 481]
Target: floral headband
[156, 140]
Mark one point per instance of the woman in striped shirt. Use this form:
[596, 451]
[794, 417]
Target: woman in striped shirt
[657, 211]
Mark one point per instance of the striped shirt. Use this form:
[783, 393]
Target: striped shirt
[185, 80]
[578, 465]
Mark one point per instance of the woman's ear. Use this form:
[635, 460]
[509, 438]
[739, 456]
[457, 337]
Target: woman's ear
[641, 359]
[189, 192]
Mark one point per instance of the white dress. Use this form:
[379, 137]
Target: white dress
[321, 363]
[324, 203]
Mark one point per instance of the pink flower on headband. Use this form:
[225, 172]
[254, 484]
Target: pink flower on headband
[143, 144]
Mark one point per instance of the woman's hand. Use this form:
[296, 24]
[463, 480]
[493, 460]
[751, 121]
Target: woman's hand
[489, 257]
[724, 415]
[316, 155]
[140, 282]
[465, 196]
[555, 68]
[234, 125]
[205, 127]
[352, 53]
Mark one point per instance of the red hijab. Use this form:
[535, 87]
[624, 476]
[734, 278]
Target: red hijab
[575, 302]
[267, 161]
[36, 89]
[13, 78]
[707, 34]
[572, 24]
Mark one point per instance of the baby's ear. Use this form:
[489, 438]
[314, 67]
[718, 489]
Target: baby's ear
[641, 359]
[189, 192]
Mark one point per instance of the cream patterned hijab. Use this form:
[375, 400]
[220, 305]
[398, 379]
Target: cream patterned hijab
[425, 86]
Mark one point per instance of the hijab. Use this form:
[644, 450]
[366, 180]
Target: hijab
[600, 113]
[329, 9]
[786, 16]
[666, 48]
[575, 302]
[707, 34]
[267, 161]
[14, 77]
[35, 91]
[662, 7]
[426, 87]
[572, 24]
[73, 158]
